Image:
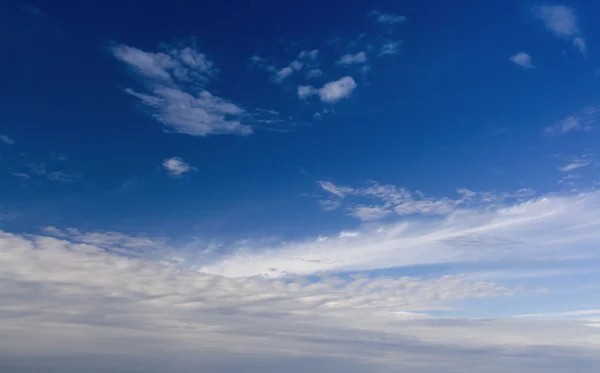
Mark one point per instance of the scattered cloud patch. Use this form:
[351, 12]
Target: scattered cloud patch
[584, 120]
[405, 203]
[522, 59]
[386, 18]
[390, 48]
[331, 92]
[563, 22]
[577, 163]
[41, 169]
[176, 166]
[526, 229]
[350, 59]
[7, 140]
[282, 74]
[314, 73]
[312, 54]
[175, 81]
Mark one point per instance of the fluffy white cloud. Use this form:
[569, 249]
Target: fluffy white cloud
[584, 120]
[331, 92]
[176, 166]
[175, 81]
[562, 21]
[522, 59]
[350, 59]
[339, 89]
[7, 140]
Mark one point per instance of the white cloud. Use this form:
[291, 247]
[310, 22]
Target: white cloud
[305, 91]
[562, 21]
[176, 166]
[386, 18]
[551, 228]
[314, 73]
[390, 48]
[335, 91]
[522, 59]
[575, 163]
[312, 54]
[7, 140]
[403, 202]
[296, 65]
[369, 213]
[350, 59]
[175, 92]
[329, 204]
[80, 295]
[333, 189]
[584, 120]
[282, 74]
[331, 92]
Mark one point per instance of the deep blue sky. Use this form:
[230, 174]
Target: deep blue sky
[449, 111]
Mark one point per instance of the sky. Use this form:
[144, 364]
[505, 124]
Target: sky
[367, 186]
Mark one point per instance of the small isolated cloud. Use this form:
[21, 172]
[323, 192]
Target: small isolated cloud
[350, 59]
[576, 163]
[522, 59]
[584, 120]
[390, 48]
[386, 18]
[331, 92]
[563, 22]
[312, 54]
[7, 140]
[282, 74]
[175, 81]
[314, 73]
[176, 166]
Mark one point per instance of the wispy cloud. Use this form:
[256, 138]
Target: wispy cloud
[282, 74]
[278, 75]
[331, 92]
[584, 120]
[314, 73]
[390, 48]
[386, 18]
[350, 59]
[577, 163]
[563, 22]
[522, 59]
[41, 169]
[176, 166]
[556, 227]
[175, 81]
[33, 11]
[7, 140]
[403, 202]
